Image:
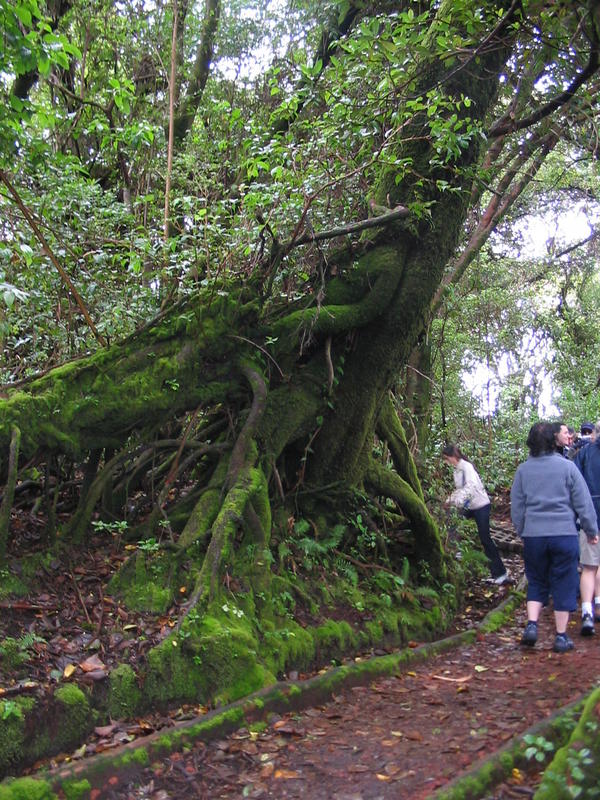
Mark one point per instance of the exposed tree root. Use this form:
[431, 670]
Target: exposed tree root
[428, 545]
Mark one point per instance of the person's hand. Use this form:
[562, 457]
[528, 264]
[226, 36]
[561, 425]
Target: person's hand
[593, 539]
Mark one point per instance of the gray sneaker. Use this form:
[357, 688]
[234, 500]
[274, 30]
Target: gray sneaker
[529, 637]
[562, 643]
[587, 625]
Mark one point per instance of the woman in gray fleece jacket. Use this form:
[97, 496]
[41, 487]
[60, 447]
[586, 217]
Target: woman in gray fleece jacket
[547, 496]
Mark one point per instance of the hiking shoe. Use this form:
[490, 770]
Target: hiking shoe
[562, 643]
[501, 579]
[529, 637]
[587, 625]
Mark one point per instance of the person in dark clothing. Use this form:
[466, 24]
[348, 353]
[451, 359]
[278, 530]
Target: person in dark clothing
[587, 460]
[586, 436]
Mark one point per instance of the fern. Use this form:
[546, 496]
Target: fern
[311, 547]
[28, 640]
[405, 570]
[426, 591]
[346, 569]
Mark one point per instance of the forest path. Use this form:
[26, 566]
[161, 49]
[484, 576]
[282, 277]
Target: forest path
[398, 737]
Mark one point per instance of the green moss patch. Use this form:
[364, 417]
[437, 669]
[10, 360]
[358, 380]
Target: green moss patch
[26, 789]
[30, 730]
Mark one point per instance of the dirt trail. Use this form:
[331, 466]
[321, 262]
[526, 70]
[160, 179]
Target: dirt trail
[401, 737]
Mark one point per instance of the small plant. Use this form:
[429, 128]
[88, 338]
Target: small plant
[283, 604]
[539, 747]
[237, 612]
[10, 709]
[116, 528]
[148, 545]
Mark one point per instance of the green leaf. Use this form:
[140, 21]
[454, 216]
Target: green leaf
[44, 65]
[24, 14]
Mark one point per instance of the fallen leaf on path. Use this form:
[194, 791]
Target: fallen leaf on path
[267, 770]
[105, 730]
[452, 680]
[286, 774]
[392, 769]
[285, 726]
[91, 664]
[381, 777]
[480, 668]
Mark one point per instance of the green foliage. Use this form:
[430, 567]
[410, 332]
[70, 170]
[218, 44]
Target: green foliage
[313, 550]
[15, 652]
[538, 747]
[26, 789]
[11, 709]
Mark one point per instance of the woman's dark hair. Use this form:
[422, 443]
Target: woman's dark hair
[540, 440]
[452, 451]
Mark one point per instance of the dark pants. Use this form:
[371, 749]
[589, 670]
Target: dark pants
[482, 519]
[551, 570]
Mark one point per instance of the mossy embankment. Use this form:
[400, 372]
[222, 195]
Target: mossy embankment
[243, 642]
[82, 777]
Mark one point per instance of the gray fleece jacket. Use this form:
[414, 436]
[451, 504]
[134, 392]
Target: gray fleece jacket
[547, 496]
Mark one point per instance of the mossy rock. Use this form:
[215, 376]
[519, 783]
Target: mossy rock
[144, 583]
[12, 655]
[36, 729]
[12, 732]
[288, 647]
[217, 661]
[125, 698]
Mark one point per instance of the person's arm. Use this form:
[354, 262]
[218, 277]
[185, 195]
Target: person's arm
[584, 506]
[517, 504]
[464, 485]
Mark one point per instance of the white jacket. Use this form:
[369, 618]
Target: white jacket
[469, 492]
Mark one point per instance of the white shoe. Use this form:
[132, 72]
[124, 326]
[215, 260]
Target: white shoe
[501, 579]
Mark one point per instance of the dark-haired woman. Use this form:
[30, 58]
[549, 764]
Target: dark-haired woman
[547, 495]
[473, 502]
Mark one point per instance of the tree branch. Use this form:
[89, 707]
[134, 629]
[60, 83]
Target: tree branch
[400, 212]
[503, 127]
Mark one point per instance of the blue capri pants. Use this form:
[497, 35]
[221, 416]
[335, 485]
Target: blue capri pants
[551, 568]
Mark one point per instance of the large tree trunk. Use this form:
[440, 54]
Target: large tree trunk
[311, 429]
[285, 402]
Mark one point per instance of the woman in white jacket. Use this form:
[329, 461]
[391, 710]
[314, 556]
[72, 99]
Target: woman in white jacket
[473, 502]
